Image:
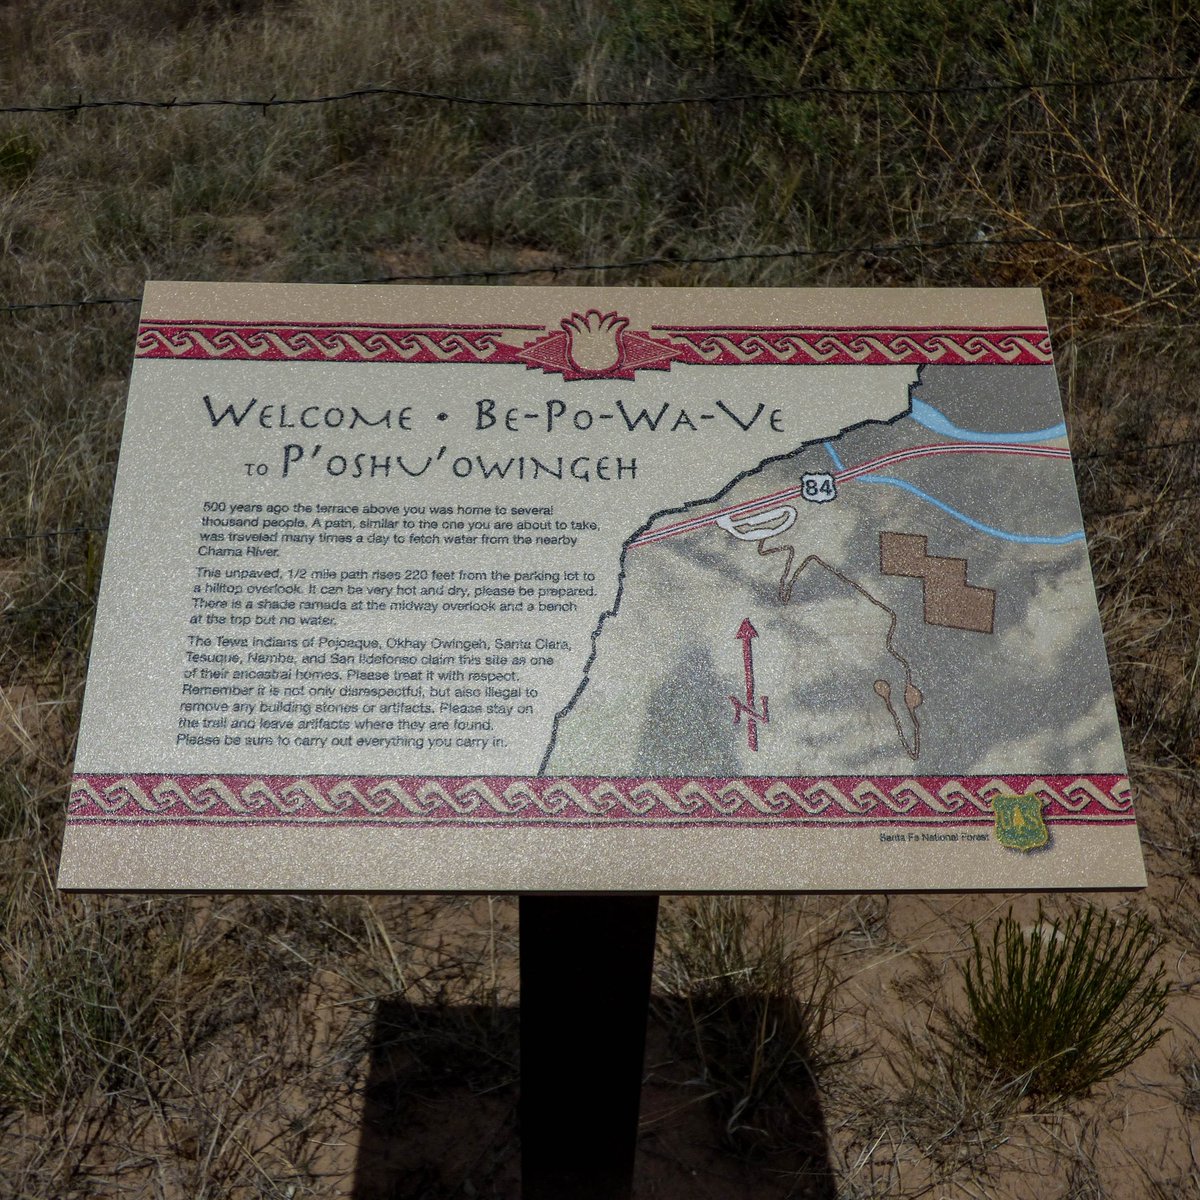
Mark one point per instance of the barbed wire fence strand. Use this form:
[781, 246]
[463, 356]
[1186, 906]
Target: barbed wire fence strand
[978, 241]
[879, 249]
[806, 91]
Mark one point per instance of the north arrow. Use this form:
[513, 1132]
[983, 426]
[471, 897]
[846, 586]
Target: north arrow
[746, 634]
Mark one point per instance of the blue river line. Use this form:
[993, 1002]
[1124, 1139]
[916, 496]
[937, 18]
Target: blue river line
[991, 531]
[837, 462]
[927, 415]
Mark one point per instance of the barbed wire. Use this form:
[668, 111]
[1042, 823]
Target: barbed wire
[815, 90]
[82, 302]
[872, 248]
[75, 606]
[51, 533]
[1157, 502]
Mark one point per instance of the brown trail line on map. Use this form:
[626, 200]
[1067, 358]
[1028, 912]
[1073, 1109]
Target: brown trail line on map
[883, 689]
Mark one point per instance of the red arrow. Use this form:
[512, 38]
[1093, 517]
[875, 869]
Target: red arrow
[746, 632]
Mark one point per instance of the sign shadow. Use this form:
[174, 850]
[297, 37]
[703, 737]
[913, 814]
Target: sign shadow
[440, 1104]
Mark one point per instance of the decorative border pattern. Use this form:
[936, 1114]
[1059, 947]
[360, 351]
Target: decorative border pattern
[209, 341]
[852, 801]
[590, 345]
[862, 347]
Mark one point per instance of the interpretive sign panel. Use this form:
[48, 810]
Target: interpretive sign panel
[527, 589]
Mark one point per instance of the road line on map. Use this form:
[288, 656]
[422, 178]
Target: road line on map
[748, 507]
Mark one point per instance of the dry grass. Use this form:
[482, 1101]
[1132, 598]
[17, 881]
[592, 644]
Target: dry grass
[233, 1047]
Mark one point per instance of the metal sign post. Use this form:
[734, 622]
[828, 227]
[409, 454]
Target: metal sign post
[585, 986]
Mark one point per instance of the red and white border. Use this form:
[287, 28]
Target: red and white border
[851, 801]
[591, 345]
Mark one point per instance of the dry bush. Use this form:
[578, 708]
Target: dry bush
[747, 991]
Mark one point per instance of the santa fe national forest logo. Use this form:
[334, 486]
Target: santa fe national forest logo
[1019, 823]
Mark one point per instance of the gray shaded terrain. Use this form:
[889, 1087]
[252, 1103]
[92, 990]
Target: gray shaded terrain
[1032, 696]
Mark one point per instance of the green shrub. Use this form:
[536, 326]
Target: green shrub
[1066, 1004]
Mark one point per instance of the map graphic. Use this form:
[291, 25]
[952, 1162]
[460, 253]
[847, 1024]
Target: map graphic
[924, 613]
